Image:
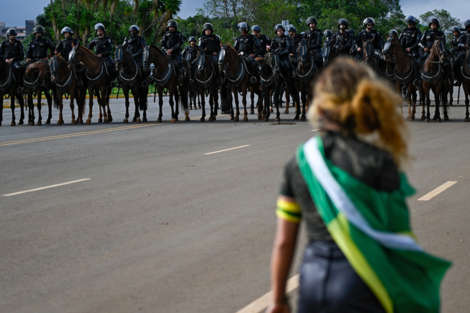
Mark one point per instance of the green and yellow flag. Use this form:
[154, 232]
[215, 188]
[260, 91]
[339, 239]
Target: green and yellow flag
[372, 228]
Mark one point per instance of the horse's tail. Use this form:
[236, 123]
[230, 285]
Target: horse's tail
[55, 100]
[224, 96]
[143, 100]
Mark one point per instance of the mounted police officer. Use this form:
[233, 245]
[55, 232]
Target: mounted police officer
[103, 46]
[353, 50]
[264, 40]
[283, 46]
[210, 43]
[296, 38]
[314, 39]
[427, 42]
[172, 42]
[12, 49]
[248, 46]
[65, 45]
[134, 44]
[342, 40]
[13, 53]
[410, 37]
[190, 54]
[458, 50]
[37, 48]
[370, 34]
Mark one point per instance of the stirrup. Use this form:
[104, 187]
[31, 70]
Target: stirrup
[416, 83]
[253, 80]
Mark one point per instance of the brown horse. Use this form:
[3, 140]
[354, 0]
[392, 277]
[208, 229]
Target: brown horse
[432, 78]
[131, 77]
[9, 85]
[66, 82]
[99, 80]
[37, 80]
[161, 70]
[403, 73]
[465, 79]
[236, 75]
[205, 78]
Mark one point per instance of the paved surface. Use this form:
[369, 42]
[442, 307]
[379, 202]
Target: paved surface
[161, 226]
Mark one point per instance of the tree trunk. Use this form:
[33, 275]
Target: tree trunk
[54, 24]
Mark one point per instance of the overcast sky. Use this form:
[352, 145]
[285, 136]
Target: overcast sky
[15, 12]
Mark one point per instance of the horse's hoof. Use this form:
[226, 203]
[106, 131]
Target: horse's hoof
[199, 107]
[59, 122]
[144, 120]
[211, 119]
[245, 119]
[438, 120]
[422, 118]
[303, 119]
[173, 120]
[110, 118]
[412, 117]
[0, 124]
[466, 119]
[202, 119]
[187, 119]
[12, 124]
[125, 121]
[106, 121]
[278, 119]
[266, 119]
[88, 121]
[39, 123]
[231, 118]
[30, 123]
[137, 120]
[159, 120]
[236, 119]
[446, 118]
[48, 121]
[20, 123]
[259, 117]
[427, 120]
[252, 112]
[409, 118]
[296, 117]
[100, 120]
[286, 112]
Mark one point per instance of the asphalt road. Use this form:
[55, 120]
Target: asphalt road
[162, 226]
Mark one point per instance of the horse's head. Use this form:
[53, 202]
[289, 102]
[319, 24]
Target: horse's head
[121, 56]
[223, 52]
[368, 48]
[303, 52]
[75, 56]
[200, 61]
[145, 60]
[54, 66]
[326, 52]
[439, 47]
[390, 48]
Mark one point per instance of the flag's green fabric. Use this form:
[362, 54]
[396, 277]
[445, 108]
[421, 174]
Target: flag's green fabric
[372, 228]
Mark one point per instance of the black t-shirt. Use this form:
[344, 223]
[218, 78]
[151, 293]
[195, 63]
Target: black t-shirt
[369, 164]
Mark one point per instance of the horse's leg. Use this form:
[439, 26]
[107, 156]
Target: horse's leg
[237, 113]
[106, 98]
[412, 90]
[125, 91]
[19, 96]
[60, 121]
[277, 102]
[437, 97]
[266, 108]
[136, 93]
[172, 103]
[49, 105]
[31, 116]
[288, 98]
[467, 101]
[1, 108]
[72, 105]
[12, 107]
[160, 104]
[39, 122]
[216, 100]
[203, 103]
[428, 104]
[90, 104]
[102, 102]
[245, 112]
[144, 102]
[444, 106]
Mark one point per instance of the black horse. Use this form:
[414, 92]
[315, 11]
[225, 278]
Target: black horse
[9, 85]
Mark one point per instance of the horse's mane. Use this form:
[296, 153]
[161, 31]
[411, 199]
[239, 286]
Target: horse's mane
[157, 49]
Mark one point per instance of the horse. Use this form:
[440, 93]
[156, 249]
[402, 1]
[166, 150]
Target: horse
[161, 70]
[205, 78]
[370, 59]
[328, 53]
[464, 74]
[37, 80]
[305, 73]
[236, 72]
[98, 79]
[193, 88]
[131, 77]
[432, 78]
[403, 73]
[66, 81]
[9, 85]
[272, 83]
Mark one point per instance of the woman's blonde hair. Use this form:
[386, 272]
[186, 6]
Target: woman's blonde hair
[350, 95]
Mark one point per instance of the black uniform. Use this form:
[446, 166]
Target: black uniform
[212, 44]
[248, 44]
[103, 46]
[409, 38]
[263, 41]
[295, 43]
[12, 50]
[135, 47]
[283, 45]
[37, 49]
[65, 46]
[373, 36]
[458, 50]
[314, 39]
[174, 41]
[344, 40]
[190, 54]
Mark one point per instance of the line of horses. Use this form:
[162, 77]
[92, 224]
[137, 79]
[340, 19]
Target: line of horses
[231, 77]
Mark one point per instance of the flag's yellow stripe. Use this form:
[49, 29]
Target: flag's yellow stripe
[339, 230]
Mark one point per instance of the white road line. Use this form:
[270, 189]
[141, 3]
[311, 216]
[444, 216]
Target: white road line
[437, 191]
[262, 302]
[47, 187]
[316, 129]
[227, 150]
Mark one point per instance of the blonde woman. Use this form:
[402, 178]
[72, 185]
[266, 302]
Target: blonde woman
[348, 188]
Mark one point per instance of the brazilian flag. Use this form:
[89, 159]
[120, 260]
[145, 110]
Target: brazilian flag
[372, 228]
